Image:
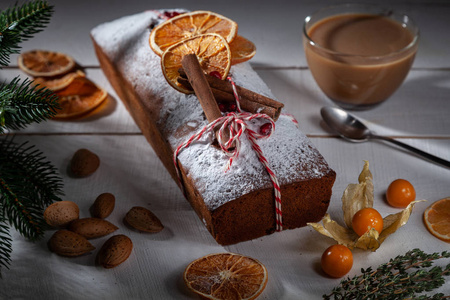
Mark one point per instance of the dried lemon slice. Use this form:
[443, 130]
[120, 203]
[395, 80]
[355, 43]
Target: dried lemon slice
[189, 25]
[58, 83]
[226, 276]
[241, 50]
[437, 219]
[212, 51]
[42, 63]
[78, 98]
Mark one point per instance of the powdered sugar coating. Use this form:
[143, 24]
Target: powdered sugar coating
[291, 155]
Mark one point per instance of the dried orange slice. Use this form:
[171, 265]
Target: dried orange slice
[189, 25]
[57, 83]
[226, 276]
[42, 63]
[437, 219]
[213, 54]
[78, 98]
[241, 50]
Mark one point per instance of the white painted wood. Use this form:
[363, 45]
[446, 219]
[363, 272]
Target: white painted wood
[130, 170]
[419, 108]
[274, 26]
[417, 114]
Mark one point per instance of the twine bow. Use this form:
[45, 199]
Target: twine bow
[236, 124]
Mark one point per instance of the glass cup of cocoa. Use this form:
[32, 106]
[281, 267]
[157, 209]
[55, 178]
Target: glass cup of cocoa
[359, 54]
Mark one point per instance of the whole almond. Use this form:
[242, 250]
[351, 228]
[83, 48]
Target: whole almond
[84, 163]
[114, 251]
[60, 214]
[68, 243]
[143, 219]
[103, 205]
[92, 228]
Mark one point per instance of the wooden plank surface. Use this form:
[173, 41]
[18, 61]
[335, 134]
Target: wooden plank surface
[130, 170]
[274, 26]
[419, 108]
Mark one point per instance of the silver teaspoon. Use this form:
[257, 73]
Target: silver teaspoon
[351, 129]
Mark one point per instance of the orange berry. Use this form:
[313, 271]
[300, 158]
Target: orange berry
[365, 219]
[337, 261]
[400, 193]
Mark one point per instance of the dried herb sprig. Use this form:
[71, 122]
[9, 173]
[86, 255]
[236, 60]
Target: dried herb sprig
[396, 280]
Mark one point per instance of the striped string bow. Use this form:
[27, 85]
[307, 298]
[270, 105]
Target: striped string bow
[236, 124]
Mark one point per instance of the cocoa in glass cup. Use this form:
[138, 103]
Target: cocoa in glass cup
[359, 54]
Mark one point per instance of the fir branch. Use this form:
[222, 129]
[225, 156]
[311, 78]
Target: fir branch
[5, 244]
[22, 104]
[28, 184]
[395, 280]
[20, 23]
[9, 44]
[28, 19]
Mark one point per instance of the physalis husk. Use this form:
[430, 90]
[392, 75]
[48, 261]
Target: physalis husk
[356, 197]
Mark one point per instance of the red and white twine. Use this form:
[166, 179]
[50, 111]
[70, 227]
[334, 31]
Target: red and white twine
[236, 124]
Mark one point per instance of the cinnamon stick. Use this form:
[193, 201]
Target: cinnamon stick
[246, 104]
[250, 101]
[201, 87]
[202, 90]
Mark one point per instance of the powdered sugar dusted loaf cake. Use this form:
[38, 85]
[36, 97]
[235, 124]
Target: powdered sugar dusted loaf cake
[236, 205]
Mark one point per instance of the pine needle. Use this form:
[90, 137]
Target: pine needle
[5, 243]
[23, 103]
[28, 184]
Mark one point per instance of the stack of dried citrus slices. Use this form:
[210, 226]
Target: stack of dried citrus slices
[210, 36]
[57, 72]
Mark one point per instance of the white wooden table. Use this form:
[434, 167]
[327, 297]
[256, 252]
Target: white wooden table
[417, 114]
